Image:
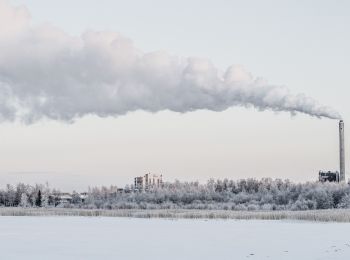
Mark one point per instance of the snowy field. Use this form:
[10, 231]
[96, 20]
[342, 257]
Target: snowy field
[130, 238]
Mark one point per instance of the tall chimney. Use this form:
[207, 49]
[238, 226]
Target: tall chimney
[341, 151]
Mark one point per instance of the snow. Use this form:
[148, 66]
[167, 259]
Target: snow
[126, 238]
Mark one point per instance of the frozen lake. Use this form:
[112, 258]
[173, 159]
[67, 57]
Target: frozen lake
[124, 238]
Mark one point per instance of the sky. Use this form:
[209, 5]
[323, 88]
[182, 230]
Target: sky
[302, 46]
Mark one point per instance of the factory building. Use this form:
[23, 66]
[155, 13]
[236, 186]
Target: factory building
[148, 181]
[329, 176]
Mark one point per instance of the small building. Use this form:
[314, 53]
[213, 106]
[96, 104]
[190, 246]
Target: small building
[120, 190]
[329, 176]
[148, 181]
[139, 183]
[65, 198]
[60, 198]
[83, 196]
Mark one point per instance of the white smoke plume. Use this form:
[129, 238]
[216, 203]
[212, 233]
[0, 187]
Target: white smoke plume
[46, 73]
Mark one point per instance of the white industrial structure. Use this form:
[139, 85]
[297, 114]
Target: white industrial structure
[335, 176]
[341, 151]
[148, 181]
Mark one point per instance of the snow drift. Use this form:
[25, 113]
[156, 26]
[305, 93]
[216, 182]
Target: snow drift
[46, 73]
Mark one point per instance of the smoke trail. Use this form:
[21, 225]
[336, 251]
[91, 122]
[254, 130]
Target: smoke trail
[46, 73]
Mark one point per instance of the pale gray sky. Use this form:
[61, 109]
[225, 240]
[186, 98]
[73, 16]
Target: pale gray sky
[302, 45]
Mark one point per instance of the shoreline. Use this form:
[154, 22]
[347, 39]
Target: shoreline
[328, 215]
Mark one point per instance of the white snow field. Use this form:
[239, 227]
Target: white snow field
[132, 238]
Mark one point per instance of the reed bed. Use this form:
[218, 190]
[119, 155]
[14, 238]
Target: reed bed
[333, 215]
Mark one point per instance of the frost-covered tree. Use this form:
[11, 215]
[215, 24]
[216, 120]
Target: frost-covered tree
[24, 201]
[45, 200]
[76, 198]
[38, 200]
[345, 202]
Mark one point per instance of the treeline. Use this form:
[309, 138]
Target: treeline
[246, 194]
[24, 195]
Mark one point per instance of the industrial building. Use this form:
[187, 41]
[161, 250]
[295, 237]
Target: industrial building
[148, 181]
[329, 176]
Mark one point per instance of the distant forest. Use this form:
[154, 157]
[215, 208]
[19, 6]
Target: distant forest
[246, 194]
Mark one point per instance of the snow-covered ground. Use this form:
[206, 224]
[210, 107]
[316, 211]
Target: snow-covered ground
[125, 238]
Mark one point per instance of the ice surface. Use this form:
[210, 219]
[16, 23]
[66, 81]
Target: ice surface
[124, 238]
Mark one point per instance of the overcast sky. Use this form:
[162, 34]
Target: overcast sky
[300, 45]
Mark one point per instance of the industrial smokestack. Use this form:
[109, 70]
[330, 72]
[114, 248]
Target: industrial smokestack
[341, 151]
